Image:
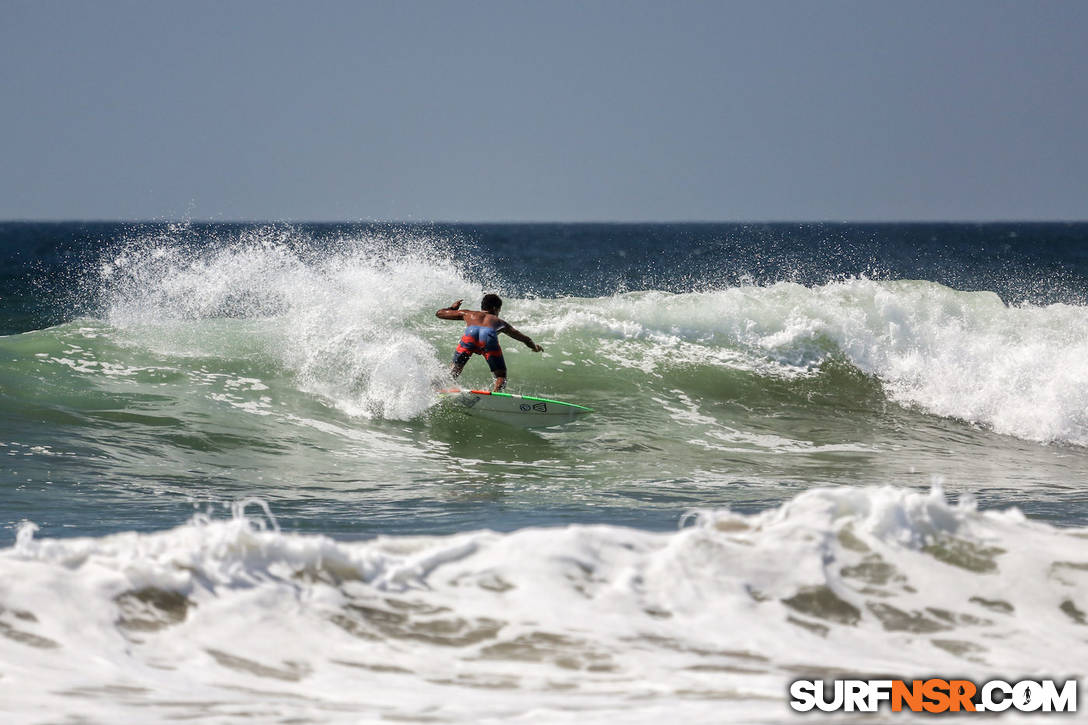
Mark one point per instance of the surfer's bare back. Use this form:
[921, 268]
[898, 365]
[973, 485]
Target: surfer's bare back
[481, 336]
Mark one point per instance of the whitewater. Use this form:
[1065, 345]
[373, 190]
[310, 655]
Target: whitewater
[231, 492]
[234, 618]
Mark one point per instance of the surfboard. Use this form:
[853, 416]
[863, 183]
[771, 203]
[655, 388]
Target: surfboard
[524, 411]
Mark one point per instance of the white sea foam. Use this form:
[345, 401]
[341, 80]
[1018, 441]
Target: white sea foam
[236, 620]
[1021, 370]
[336, 318]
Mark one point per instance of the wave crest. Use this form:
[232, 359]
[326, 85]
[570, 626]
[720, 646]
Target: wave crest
[1021, 370]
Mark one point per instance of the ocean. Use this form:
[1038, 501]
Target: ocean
[230, 492]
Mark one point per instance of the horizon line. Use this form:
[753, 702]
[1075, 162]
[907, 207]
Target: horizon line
[535, 222]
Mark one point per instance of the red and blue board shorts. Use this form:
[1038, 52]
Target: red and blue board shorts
[482, 341]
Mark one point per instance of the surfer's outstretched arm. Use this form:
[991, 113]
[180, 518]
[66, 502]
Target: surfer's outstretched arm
[521, 337]
[453, 312]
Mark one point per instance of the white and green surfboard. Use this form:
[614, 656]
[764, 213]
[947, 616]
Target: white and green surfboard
[524, 411]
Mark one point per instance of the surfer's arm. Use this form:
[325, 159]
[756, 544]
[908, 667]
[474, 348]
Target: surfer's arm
[520, 337]
[452, 312]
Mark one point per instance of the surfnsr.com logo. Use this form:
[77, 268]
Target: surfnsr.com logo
[933, 695]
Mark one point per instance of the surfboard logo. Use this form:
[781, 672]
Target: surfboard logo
[540, 407]
[525, 407]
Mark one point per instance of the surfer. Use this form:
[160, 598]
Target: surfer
[481, 336]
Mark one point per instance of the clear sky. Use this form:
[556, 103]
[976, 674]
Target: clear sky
[549, 111]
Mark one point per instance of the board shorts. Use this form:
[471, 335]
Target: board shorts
[482, 341]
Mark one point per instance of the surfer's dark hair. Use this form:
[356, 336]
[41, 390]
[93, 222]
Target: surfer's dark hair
[491, 303]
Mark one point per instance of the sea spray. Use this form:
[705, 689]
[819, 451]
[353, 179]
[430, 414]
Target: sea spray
[337, 309]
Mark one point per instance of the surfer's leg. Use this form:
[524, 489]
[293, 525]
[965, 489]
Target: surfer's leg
[495, 361]
[459, 359]
[468, 345]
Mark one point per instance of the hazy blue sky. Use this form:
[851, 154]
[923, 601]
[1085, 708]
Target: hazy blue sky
[477, 111]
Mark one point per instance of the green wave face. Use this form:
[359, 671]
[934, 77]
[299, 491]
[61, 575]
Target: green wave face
[735, 396]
